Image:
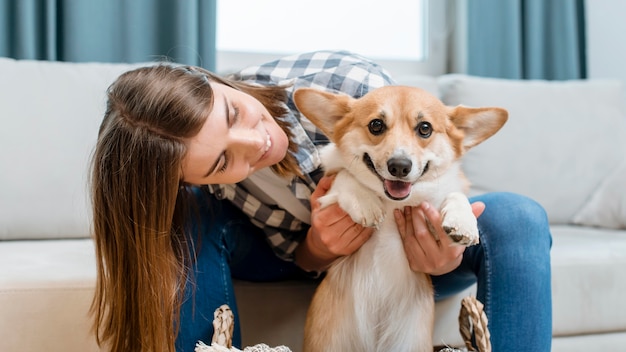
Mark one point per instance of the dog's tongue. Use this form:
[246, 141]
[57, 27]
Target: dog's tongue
[398, 189]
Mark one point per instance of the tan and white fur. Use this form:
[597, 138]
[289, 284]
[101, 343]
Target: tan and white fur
[393, 147]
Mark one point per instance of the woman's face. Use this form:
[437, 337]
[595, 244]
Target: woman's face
[238, 138]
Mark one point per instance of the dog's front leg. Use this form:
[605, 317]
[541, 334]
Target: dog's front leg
[363, 206]
[458, 220]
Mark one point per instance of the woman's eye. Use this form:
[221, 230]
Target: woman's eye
[376, 127]
[233, 115]
[224, 164]
[424, 129]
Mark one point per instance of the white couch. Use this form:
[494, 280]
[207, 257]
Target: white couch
[564, 145]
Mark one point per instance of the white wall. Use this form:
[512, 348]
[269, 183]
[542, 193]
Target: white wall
[606, 38]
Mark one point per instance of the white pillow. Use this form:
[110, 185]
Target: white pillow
[561, 141]
[607, 206]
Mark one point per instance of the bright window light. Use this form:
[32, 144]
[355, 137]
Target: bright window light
[380, 29]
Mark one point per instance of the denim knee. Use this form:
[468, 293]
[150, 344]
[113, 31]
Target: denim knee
[514, 214]
[512, 264]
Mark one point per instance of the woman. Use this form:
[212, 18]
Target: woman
[197, 179]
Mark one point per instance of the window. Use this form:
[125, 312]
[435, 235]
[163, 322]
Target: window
[392, 32]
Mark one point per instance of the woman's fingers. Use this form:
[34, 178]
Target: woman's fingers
[427, 247]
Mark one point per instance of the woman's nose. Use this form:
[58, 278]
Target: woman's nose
[248, 141]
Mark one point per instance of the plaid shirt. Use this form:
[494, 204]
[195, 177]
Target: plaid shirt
[334, 71]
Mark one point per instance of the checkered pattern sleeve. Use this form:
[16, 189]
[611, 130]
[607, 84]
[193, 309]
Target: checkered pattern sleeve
[334, 71]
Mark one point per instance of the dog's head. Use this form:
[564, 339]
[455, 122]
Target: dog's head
[398, 135]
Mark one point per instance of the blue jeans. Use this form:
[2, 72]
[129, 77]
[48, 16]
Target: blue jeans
[511, 266]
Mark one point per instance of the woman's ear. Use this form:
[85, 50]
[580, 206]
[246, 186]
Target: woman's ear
[322, 108]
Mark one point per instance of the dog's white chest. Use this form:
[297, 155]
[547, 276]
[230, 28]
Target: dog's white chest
[379, 297]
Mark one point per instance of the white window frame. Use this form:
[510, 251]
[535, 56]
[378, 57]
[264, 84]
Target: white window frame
[436, 62]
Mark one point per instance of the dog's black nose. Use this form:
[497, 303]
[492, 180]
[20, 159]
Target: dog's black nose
[399, 167]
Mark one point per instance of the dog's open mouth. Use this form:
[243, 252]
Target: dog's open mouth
[394, 189]
[397, 190]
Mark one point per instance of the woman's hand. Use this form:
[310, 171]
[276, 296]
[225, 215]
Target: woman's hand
[333, 234]
[428, 249]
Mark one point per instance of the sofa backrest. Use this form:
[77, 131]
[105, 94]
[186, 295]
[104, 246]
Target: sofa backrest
[50, 115]
[562, 141]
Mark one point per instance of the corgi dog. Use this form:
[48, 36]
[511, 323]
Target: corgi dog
[396, 146]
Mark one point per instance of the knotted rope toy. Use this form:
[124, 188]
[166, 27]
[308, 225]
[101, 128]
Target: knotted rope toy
[472, 324]
[223, 326]
[473, 320]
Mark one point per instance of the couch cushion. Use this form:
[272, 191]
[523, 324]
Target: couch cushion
[607, 207]
[46, 288]
[562, 138]
[588, 280]
[588, 343]
[51, 112]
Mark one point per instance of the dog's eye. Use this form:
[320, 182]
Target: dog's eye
[424, 129]
[376, 126]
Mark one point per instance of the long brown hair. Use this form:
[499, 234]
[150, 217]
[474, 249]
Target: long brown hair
[139, 201]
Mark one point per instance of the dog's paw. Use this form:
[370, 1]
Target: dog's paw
[460, 232]
[328, 199]
[459, 221]
[365, 208]
[361, 203]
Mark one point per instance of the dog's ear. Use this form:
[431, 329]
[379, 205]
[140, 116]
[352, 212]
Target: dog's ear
[324, 109]
[477, 124]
